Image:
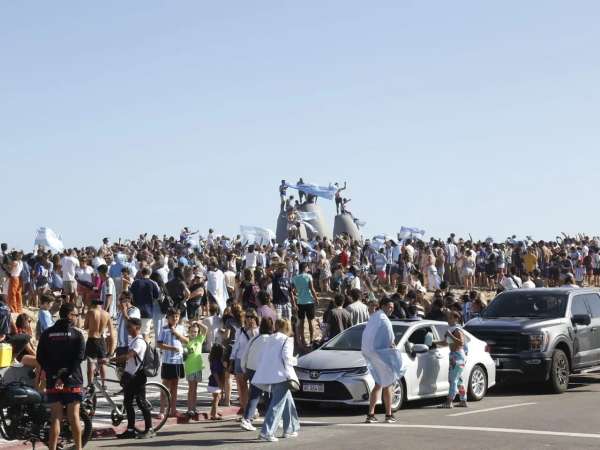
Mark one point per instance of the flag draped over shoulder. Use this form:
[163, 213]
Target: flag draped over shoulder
[47, 238]
[327, 192]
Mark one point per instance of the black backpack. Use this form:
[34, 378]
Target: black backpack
[151, 361]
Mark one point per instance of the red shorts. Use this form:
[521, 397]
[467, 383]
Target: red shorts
[382, 276]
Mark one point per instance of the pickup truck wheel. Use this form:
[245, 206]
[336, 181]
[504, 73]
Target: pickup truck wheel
[478, 384]
[559, 372]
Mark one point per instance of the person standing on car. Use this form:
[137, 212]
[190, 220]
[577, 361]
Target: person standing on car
[60, 353]
[378, 347]
[455, 339]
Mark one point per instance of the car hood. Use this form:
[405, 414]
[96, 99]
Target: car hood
[331, 359]
[509, 324]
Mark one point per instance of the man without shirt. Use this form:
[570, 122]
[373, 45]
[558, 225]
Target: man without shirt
[98, 323]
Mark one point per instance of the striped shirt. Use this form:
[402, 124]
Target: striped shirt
[167, 337]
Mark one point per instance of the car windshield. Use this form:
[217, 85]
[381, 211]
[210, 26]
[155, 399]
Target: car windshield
[351, 339]
[531, 304]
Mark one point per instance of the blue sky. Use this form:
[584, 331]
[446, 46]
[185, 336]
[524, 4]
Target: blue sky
[123, 117]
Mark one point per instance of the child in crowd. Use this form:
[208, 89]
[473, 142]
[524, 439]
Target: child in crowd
[44, 317]
[216, 379]
[171, 341]
[194, 363]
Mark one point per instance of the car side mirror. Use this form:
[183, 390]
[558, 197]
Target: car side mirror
[420, 348]
[581, 319]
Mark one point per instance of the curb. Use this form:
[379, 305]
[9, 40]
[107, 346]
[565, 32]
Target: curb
[228, 413]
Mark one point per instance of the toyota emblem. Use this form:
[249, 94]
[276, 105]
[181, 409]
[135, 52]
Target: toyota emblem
[314, 374]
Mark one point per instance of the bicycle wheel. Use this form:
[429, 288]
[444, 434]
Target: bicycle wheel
[158, 399]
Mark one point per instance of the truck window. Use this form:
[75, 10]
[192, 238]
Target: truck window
[578, 306]
[593, 301]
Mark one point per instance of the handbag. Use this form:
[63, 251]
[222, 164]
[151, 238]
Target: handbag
[293, 385]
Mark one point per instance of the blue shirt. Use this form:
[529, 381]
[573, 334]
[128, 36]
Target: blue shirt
[44, 321]
[167, 337]
[301, 283]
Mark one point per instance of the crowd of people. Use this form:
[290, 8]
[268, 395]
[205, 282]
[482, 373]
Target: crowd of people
[231, 306]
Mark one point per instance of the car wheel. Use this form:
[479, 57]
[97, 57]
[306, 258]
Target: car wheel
[478, 384]
[397, 396]
[559, 372]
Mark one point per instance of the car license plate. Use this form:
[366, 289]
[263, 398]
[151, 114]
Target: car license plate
[313, 387]
[497, 362]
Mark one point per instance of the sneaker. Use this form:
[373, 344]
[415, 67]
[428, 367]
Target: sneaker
[147, 434]
[390, 419]
[264, 437]
[293, 434]
[246, 425]
[127, 434]
[371, 418]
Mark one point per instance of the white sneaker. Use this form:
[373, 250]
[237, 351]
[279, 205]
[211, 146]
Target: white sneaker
[246, 425]
[263, 437]
[293, 434]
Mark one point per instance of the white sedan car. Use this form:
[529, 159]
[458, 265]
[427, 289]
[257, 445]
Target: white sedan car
[338, 373]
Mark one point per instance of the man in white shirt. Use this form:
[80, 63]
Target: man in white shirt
[359, 312]
[69, 265]
[251, 259]
[528, 283]
[134, 383]
[510, 282]
[451, 253]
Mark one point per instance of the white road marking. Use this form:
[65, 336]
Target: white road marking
[475, 411]
[484, 429]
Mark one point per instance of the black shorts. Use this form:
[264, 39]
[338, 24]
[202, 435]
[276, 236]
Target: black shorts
[95, 348]
[65, 399]
[306, 311]
[596, 271]
[172, 371]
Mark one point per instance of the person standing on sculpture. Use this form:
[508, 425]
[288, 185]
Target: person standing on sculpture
[338, 197]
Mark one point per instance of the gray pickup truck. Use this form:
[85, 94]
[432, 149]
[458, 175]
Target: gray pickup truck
[542, 334]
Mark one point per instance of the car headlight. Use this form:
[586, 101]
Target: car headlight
[538, 341]
[357, 371]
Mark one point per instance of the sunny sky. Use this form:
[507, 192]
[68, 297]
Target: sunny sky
[475, 117]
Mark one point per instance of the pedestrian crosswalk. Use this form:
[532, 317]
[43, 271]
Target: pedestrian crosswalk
[102, 418]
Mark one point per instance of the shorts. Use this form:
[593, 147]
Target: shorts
[65, 399]
[193, 306]
[213, 389]
[596, 271]
[95, 348]
[382, 275]
[196, 376]
[306, 311]
[172, 371]
[284, 311]
[69, 287]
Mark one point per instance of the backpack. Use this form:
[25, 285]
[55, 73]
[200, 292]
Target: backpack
[151, 361]
[164, 301]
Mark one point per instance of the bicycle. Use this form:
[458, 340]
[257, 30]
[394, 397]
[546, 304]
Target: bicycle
[158, 399]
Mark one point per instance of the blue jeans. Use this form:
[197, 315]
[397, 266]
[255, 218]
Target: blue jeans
[281, 405]
[254, 398]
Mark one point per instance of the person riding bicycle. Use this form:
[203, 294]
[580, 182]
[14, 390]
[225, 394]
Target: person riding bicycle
[60, 353]
[134, 382]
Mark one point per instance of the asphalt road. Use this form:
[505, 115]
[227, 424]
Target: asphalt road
[510, 417]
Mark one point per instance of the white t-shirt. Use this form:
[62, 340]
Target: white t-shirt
[97, 261]
[528, 285]
[251, 260]
[138, 345]
[69, 264]
[85, 274]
